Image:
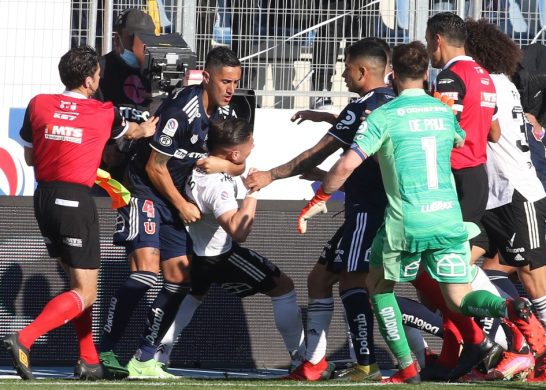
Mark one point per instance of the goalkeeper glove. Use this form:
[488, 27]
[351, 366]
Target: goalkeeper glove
[444, 99]
[315, 206]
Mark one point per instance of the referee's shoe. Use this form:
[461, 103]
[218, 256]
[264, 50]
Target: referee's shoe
[19, 355]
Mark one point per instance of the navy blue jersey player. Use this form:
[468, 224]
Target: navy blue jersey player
[344, 258]
[152, 226]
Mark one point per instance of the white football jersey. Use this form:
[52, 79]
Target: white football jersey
[214, 194]
[509, 163]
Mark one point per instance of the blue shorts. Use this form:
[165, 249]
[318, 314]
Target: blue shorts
[349, 249]
[145, 224]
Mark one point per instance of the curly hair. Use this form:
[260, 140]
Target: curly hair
[77, 64]
[491, 48]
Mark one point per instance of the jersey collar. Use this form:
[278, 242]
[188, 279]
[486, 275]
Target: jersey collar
[75, 95]
[413, 92]
[457, 58]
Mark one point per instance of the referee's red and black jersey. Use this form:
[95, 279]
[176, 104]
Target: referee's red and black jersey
[67, 133]
[475, 97]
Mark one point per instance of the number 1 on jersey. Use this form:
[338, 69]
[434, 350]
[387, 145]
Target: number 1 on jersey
[428, 144]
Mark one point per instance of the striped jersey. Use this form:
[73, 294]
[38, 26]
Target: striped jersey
[509, 163]
[412, 137]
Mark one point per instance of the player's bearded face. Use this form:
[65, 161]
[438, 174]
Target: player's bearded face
[222, 84]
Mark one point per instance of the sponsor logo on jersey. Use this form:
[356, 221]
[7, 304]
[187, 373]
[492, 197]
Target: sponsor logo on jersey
[224, 195]
[479, 70]
[451, 95]
[425, 109]
[484, 81]
[170, 127]
[67, 116]
[65, 105]
[436, 206]
[182, 153]
[445, 81]
[344, 123]
[133, 114]
[488, 99]
[165, 140]
[64, 133]
[451, 265]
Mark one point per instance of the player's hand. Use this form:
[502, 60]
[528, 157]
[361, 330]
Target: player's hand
[211, 164]
[444, 99]
[256, 180]
[190, 213]
[313, 116]
[149, 126]
[315, 206]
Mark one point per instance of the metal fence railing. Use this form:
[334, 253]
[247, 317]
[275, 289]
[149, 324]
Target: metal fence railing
[292, 50]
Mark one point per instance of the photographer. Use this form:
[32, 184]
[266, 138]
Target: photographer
[122, 81]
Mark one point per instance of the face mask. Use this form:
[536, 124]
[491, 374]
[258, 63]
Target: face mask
[130, 59]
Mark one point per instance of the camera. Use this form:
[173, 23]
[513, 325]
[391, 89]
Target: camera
[167, 59]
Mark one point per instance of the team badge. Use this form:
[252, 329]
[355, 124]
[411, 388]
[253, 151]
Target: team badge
[165, 140]
[194, 138]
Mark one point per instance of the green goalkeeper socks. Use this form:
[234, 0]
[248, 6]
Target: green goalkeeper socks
[389, 320]
[482, 303]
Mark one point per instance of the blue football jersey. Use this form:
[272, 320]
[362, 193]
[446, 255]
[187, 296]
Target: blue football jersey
[364, 187]
[181, 134]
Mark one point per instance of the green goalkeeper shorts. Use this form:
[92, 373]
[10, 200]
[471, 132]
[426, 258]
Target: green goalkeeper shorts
[446, 265]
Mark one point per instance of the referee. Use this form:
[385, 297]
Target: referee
[64, 137]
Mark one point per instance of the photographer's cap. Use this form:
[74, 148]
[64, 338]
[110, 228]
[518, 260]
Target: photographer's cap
[135, 21]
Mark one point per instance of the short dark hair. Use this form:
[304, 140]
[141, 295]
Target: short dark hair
[491, 48]
[375, 48]
[227, 133]
[410, 60]
[77, 64]
[450, 26]
[221, 56]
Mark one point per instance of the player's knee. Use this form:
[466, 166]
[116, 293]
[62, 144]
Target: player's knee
[283, 285]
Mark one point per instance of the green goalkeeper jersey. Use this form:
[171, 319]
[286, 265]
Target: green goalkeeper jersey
[412, 137]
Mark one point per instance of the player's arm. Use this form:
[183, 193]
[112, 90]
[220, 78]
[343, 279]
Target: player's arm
[494, 131]
[132, 130]
[159, 175]
[314, 116]
[238, 223]
[302, 163]
[213, 164]
[450, 86]
[26, 135]
[342, 169]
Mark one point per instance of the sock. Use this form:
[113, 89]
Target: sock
[539, 305]
[483, 304]
[416, 315]
[183, 318]
[83, 325]
[416, 343]
[287, 316]
[469, 330]
[319, 316]
[501, 281]
[451, 346]
[57, 312]
[389, 321]
[360, 319]
[122, 305]
[160, 317]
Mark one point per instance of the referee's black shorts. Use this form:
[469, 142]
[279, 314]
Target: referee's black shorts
[473, 192]
[68, 220]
